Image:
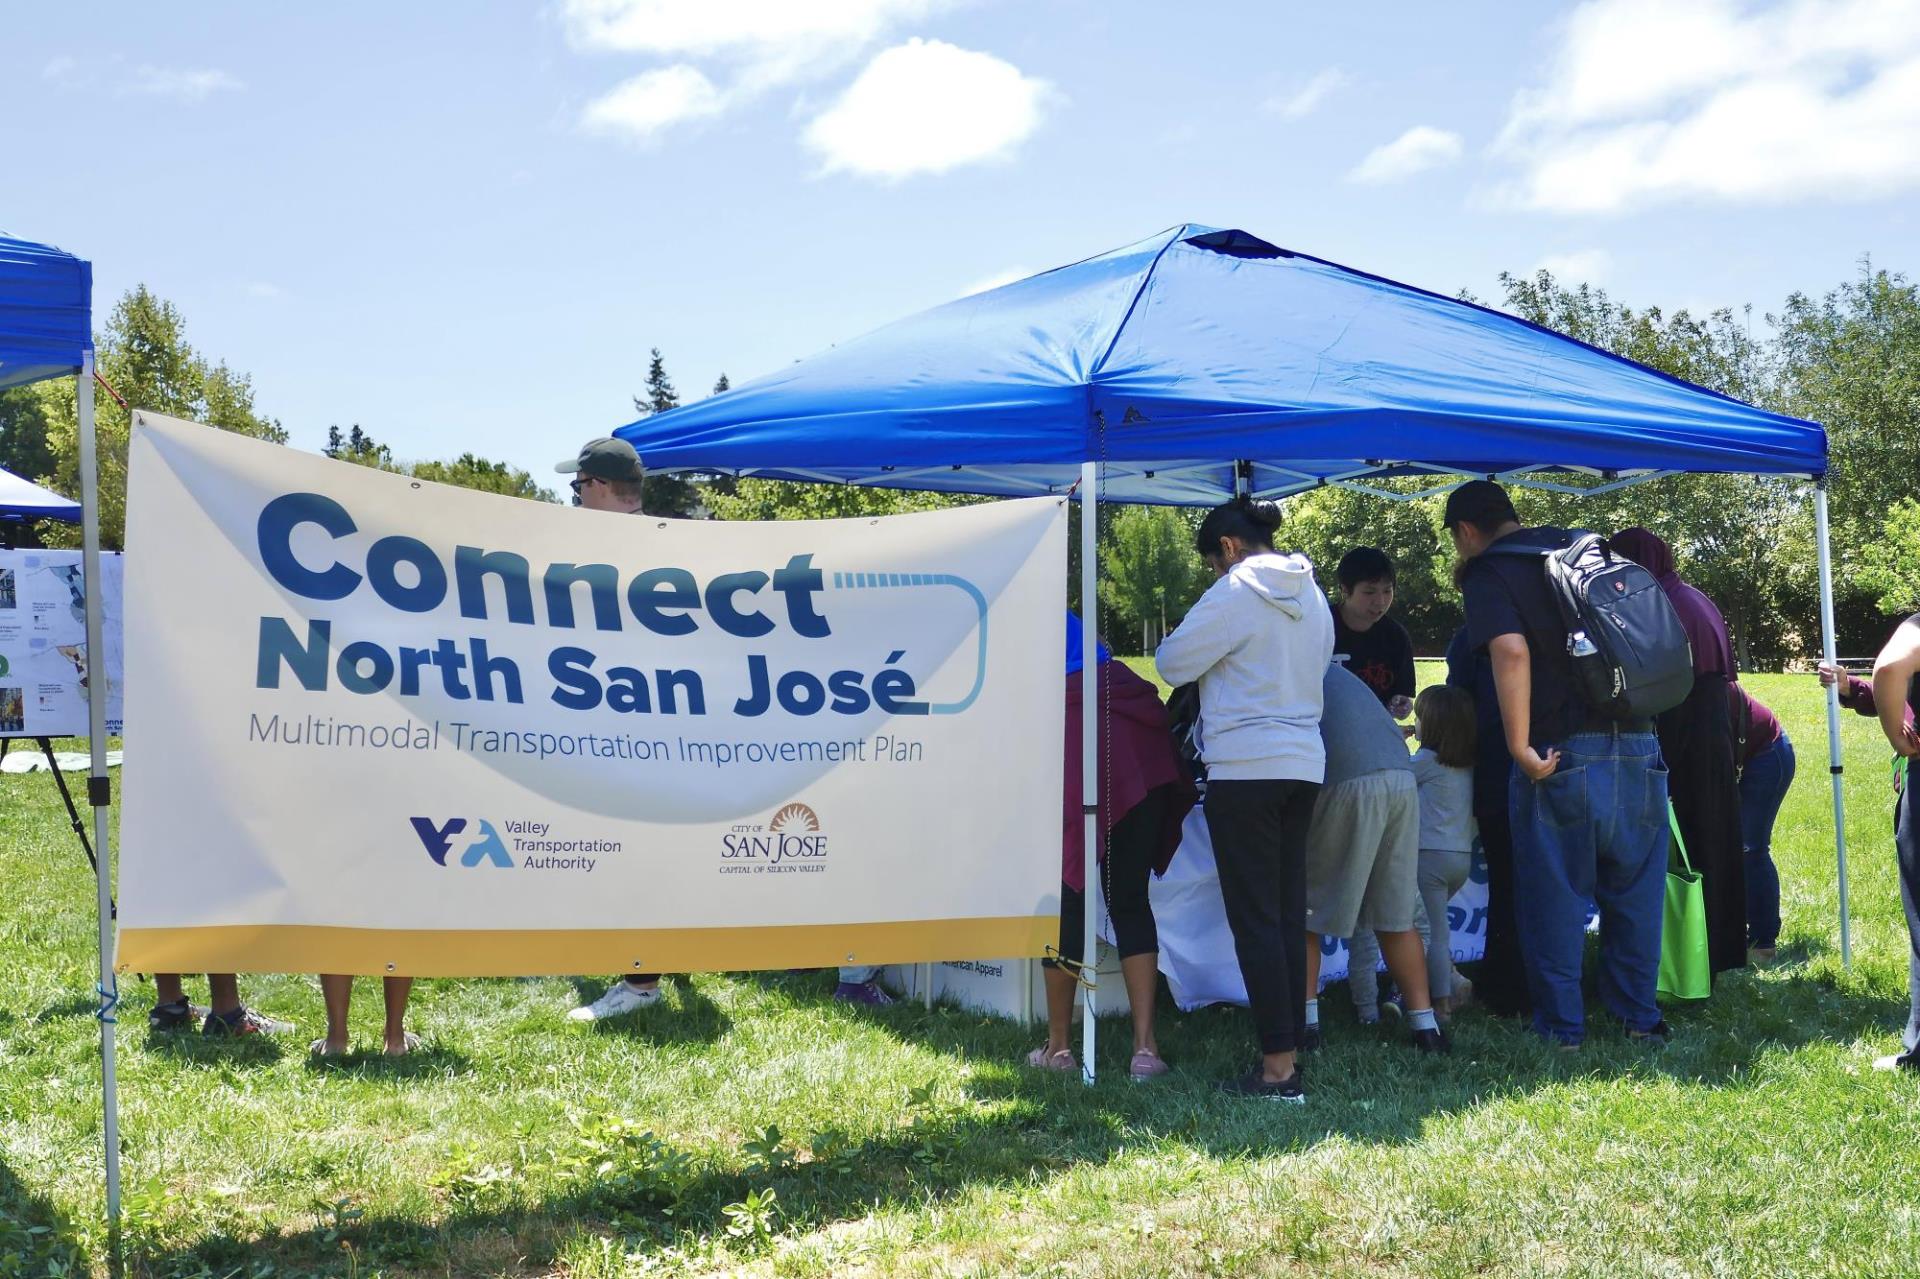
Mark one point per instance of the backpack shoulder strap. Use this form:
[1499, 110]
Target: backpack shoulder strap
[1505, 546]
[1529, 552]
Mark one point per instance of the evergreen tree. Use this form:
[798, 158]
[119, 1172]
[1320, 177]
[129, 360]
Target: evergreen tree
[665, 494]
[722, 386]
[357, 447]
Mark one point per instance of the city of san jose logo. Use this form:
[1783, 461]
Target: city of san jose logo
[473, 839]
[791, 839]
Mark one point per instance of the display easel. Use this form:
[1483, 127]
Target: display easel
[66, 797]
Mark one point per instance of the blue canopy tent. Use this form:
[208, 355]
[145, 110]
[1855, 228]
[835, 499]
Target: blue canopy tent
[46, 298]
[46, 331]
[21, 500]
[1201, 363]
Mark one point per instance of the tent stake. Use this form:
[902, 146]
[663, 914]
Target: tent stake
[1827, 651]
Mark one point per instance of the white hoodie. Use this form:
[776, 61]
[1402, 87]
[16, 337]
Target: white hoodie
[1259, 642]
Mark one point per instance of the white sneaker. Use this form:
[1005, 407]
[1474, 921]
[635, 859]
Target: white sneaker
[621, 997]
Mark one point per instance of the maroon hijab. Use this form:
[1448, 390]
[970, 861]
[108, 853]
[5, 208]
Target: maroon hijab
[1712, 650]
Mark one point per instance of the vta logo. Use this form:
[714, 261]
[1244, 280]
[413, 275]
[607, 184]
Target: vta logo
[475, 840]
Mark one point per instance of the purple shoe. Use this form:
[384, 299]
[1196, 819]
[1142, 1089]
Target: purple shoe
[862, 992]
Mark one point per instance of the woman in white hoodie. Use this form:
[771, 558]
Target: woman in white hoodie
[1258, 643]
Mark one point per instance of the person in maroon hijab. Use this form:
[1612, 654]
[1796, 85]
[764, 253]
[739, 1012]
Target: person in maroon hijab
[1145, 793]
[1697, 739]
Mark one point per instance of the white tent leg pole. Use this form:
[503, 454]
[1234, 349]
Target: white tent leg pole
[1833, 720]
[97, 786]
[1089, 749]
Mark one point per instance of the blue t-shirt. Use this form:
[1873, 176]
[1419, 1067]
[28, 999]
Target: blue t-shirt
[1360, 736]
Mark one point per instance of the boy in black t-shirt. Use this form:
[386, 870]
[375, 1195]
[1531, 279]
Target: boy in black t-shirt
[1366, 641]
[1588, 797]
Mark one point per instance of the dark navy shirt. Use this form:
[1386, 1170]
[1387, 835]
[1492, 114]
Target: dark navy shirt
[1509, 595]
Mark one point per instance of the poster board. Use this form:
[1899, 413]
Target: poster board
[45, 668]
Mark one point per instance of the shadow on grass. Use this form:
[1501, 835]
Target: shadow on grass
[192, 1047]
[430, 1060]
[1019, 1124]
[34, 1238]
[75, 1006]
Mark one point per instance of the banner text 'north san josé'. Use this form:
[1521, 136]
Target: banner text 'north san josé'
[406, 574]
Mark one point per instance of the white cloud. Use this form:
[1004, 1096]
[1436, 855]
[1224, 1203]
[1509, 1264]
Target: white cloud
[682, 27]
[1303, 101]
[172, 82]
[653, 100]
[1648, 100]
[1581, 266]
[1420, 148]
[264, 291]
[996, 280]
[743, 48]
[926, 107]
[772, 42]
[60, 69]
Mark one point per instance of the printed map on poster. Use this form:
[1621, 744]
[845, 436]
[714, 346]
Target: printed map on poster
[45, 667]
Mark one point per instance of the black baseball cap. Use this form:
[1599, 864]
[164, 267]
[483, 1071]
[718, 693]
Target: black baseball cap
[1480, 503]
[606, 459]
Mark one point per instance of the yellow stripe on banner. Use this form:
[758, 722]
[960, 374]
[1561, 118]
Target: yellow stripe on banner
[301, 948]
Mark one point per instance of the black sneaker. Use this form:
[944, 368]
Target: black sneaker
[242, 1021]
[1309, 1041]
[1432, 1041]
[1908, 1061]
[1655, 1036]
[178, 1015]
[1292, 1089]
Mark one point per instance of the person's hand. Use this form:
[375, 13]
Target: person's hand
[1536, 766]
[1908, 743]
[1829, 675]
[1400, 707]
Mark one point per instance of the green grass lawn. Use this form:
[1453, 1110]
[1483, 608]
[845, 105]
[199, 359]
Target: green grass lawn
[750, 1124]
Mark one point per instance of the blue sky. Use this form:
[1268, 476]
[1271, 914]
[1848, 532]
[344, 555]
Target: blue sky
[462, 226]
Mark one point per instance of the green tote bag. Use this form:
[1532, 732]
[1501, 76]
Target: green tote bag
[1684, 971]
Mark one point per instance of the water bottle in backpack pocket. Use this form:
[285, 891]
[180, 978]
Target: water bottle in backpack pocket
[1631, 657]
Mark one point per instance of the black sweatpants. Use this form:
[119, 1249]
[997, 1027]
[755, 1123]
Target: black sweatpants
[1132, 846]
[1259, 832]
[1500, 981]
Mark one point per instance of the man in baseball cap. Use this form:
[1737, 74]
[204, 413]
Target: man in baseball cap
[608, 476]
[1481, 504]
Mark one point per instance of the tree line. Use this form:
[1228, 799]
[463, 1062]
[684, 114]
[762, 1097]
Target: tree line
[1849, 359]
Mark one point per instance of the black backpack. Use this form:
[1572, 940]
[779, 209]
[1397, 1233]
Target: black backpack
[1631, 657]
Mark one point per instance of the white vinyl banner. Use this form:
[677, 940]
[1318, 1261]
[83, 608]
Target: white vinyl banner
[386, 726]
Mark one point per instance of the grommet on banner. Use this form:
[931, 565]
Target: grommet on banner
[392, 967]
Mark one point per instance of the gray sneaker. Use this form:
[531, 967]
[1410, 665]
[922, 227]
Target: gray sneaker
[241, 1022]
